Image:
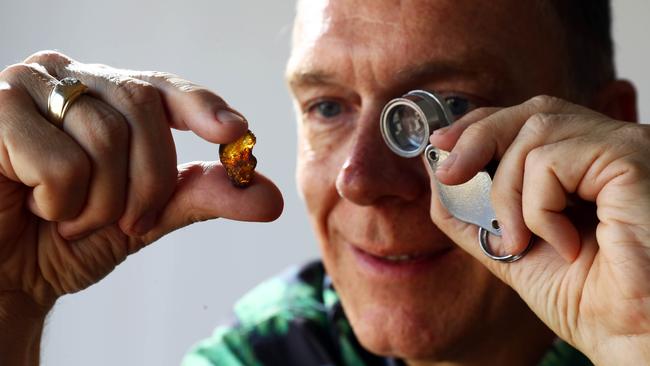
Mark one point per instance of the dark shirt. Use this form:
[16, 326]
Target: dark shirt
[296, 319]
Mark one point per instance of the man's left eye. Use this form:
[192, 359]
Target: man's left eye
[328, 109]
[459, 106]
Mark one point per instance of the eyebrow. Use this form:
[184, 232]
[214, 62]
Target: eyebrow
[417, 74]
[433, 70]
[311, 78]
[427, 70]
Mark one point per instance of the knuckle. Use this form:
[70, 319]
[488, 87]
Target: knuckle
[641, 139]
[70, 171]
[478, 131]
[9, 97]
[195, 91]
[137, 93]
[48, 57]
[539, 124]
[478, 113]
[536, 160]
[634, 169]
[632, 132]
[175, 81]
[204, 94]
[162, 77]
[16, 72]
[545, 103]
[110, 131]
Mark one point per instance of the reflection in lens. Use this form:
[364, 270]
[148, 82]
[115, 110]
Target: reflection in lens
[407, 128]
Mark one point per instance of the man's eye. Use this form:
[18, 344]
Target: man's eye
[459, 106]
[327, 109]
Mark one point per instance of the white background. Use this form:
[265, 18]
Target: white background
[163, 299]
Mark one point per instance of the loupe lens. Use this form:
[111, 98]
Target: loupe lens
[406, 128]
[407, 122]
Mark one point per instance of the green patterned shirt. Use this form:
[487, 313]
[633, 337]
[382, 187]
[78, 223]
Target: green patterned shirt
[296, 319]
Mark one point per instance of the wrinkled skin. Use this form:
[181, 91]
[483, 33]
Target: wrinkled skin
[74, 203]
[348, 59]
[585, 276]
[409, 290]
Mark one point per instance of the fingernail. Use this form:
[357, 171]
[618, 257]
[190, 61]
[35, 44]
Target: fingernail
[447, 164]
[441, 131]
[145, 223]
[225, 116]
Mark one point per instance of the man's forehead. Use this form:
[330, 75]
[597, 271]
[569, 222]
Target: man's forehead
[407, 34]
[316, 17]
[328, 27]
[348, 18]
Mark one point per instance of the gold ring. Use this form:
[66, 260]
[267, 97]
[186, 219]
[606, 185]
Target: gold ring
[64, 93]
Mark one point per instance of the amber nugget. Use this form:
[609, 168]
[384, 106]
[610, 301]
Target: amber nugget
[237, 157]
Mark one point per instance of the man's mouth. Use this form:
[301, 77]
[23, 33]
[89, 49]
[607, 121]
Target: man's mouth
[397, 265]
[400, 258]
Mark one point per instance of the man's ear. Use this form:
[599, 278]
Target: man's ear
[617, 99]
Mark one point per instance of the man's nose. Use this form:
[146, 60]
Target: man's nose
[372, 174]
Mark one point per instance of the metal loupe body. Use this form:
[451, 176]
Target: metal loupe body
[408, 121]
[406, 125]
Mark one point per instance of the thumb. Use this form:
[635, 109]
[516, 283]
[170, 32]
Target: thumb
[204, 192]
[463, 234]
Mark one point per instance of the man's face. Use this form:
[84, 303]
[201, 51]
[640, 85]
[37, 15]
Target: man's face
[407, 290]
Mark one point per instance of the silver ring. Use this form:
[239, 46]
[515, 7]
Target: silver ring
[509, 258]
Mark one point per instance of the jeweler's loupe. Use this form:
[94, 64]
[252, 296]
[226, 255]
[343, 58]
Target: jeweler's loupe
[408, 121]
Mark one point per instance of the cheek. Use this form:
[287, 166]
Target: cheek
[317, 169]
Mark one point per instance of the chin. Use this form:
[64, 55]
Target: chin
[402, 334]
[433, 316]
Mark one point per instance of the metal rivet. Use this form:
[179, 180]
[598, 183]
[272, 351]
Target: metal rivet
[432, 155]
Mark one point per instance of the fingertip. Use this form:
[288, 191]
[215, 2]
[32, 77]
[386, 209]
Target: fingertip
[261, 201]
[446, 138]
[571, 248]
[449, 178]
[443, 139]
[230, 126]
[557, 230]
[443, 177]
[516, 242]
[206, 114]
[264, 199]
[273, 210]
[69, 231]
[454, 170]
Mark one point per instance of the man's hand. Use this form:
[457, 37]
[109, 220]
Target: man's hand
[75, 202]
[580, 182]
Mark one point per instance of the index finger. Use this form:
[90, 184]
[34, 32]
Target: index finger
[193, 107]
[188, 105]
[490, 138]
